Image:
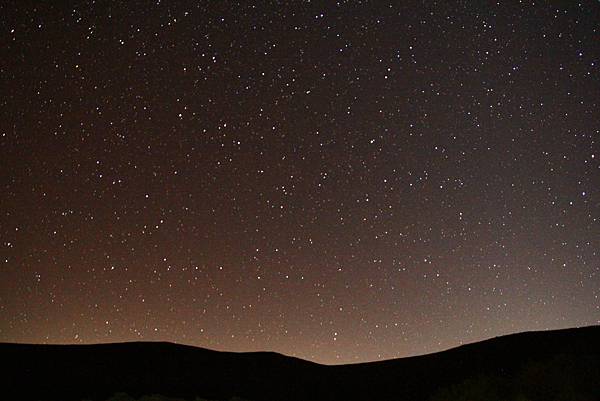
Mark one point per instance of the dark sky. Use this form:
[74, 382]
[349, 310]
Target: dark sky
[342, 182]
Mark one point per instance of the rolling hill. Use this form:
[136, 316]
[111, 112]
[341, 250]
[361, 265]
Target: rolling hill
[547, 365]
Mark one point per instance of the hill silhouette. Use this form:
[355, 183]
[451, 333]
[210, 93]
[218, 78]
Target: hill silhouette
[548, 365]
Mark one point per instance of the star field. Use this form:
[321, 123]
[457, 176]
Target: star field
[339, 181]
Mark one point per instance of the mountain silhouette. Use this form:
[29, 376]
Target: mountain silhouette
[545, 365]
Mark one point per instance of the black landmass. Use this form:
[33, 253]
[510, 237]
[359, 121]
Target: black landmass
[546, 365]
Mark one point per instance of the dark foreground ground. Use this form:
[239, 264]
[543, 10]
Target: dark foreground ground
[550, 365]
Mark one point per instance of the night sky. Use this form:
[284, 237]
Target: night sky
[342, 182]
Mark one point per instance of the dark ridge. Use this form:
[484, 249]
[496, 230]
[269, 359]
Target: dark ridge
[532, 366]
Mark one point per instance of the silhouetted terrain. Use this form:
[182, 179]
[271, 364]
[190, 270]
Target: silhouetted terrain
[551, 365]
